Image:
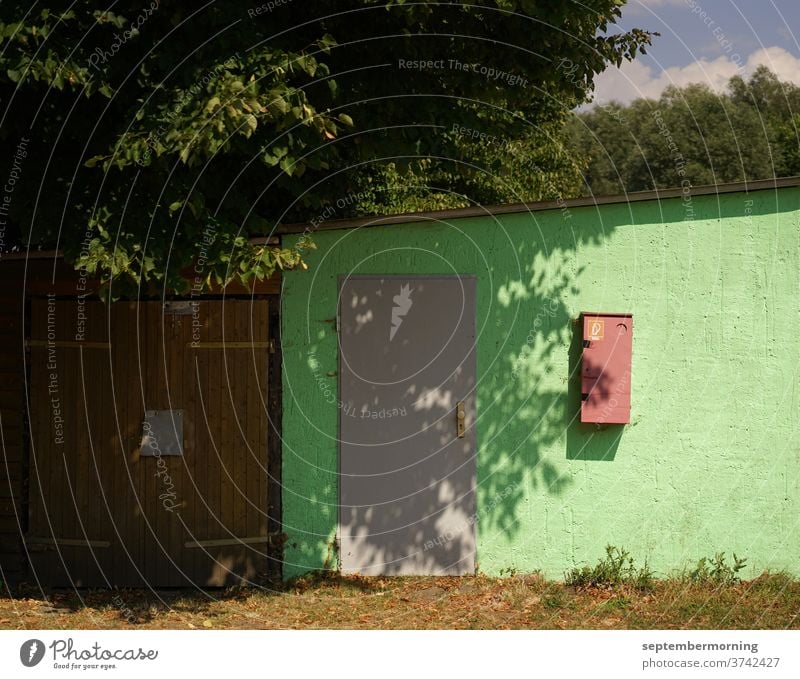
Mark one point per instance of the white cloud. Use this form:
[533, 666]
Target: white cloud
[635, 79]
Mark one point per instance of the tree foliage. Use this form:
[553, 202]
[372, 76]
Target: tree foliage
[692, 134]
[164, 132]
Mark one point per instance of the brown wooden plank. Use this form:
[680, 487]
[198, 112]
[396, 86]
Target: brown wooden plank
[11, 506]
[239, 412]
[79, 392]
[35, 485]
[67, 344]
[228, 345]
[198, 444]
[258, 394]
[213, 400]
[44, 464]
[55, 496]
[9, 524]
[13, 421]
[72, 457]
[10, 471]
[127, 396]
[227, 542]
[251, 432]
[11, 397]
[12, 406]
[174, 332]
[10, 490]
[166, 537]
[238, 442]
[129, 560]
[11, 361]
[180, 389]
[97, 414]
[68, 542]
[220, 410]
[226, 445]
[11, 543]
[196, 383]
[154, 556]
[159, 399]
[12, 453]
[126, 389]
[110, 467]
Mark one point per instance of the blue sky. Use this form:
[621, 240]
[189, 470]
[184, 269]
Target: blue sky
[705, 41]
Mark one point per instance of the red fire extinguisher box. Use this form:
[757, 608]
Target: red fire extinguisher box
[606, 368]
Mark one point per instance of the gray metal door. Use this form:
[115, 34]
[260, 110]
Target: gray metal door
[407, 367]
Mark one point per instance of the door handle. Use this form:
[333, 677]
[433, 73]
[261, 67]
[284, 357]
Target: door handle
[460, 419]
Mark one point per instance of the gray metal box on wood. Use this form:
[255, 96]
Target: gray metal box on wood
[162, 433]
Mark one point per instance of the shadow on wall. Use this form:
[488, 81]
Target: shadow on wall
[530, 404]
[407, 488]
[527, 406]
[528, 361]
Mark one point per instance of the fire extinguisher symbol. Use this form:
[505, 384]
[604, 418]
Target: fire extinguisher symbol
[596, 330]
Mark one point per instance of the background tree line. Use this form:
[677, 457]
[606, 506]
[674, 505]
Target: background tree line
[748, 132]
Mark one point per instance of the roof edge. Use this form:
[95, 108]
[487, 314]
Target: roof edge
[482, 211]
[59, 254]
[512, 208]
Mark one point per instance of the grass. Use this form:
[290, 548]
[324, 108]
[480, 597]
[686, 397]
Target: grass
[771, 601]
[617, 569]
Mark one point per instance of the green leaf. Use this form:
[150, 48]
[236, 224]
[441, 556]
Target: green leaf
[92, 162]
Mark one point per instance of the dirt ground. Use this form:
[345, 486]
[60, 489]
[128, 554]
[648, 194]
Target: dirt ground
[769, 602]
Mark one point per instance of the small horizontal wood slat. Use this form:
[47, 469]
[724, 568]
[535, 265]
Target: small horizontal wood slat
[67, 343]
[227, 542]
[72, 542]
[228, 345]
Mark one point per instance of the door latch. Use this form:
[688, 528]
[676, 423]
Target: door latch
[460, 418]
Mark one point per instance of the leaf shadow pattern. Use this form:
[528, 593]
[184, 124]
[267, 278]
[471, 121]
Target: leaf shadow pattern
[527, 267]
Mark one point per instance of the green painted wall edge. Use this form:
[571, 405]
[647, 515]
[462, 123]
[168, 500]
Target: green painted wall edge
[711, 459]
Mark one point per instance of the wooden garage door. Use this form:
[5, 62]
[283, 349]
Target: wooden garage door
[103, 514]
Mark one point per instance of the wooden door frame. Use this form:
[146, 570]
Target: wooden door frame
[274, 450]
[274, 442]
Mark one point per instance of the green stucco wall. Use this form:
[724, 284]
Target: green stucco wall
[711, 459]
